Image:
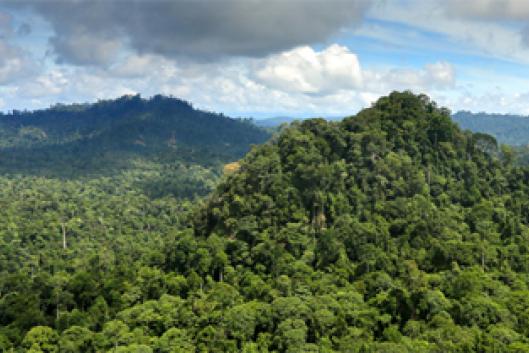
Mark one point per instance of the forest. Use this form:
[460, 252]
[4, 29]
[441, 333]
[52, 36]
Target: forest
[393, 230]
[112, 136]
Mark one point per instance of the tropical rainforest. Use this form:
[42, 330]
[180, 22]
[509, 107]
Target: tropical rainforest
[390, 231]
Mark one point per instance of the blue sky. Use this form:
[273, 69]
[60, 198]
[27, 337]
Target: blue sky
[267, 58]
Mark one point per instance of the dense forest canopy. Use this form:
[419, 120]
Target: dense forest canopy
[390, 231]
[115, 135]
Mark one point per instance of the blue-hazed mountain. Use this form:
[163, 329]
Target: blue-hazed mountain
[103, 137]
[506, 128]
[273, 123]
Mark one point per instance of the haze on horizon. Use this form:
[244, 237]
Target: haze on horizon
[265, 58]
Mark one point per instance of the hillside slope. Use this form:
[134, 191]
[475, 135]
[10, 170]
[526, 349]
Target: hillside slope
[105, 137]
[392, 231]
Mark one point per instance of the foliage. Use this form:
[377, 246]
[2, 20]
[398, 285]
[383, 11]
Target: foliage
[390, 231]
[69, 141]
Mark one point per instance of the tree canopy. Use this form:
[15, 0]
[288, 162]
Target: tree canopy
[390, 231]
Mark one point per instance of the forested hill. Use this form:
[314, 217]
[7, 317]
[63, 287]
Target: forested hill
[508, 129]
[392, 231]
[100, 138]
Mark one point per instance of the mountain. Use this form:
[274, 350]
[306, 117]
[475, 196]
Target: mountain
[112, 135]
[390, 231]
[506, 128]
[274, 122]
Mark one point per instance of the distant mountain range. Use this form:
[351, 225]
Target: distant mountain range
[506, 128]
[279, 120]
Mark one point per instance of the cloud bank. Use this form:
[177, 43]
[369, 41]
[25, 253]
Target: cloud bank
[92, 32]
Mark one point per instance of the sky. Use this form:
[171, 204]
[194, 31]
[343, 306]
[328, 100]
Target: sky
[266, 58]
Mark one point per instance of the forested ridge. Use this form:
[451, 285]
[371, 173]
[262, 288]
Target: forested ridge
[390, 231]
[110, 136]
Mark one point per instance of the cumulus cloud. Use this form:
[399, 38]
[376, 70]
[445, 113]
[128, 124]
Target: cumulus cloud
[50, 83]
[90, 32]
[307, 71]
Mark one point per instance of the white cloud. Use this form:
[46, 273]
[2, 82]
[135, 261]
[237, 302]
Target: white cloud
[50, 83]
[440, 74]
[306, 71]
[493, 102]
[432, 77]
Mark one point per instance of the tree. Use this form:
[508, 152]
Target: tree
[41, 339]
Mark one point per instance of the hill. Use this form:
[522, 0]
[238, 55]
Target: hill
[506, 128]
[390, 231]
[113, 135]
